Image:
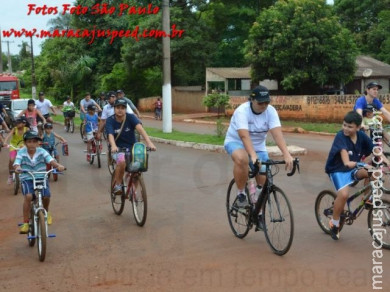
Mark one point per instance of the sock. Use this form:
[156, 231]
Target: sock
[240, 192]
[336, 222]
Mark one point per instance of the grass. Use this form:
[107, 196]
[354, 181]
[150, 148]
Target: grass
[315, 127]
[60, 118]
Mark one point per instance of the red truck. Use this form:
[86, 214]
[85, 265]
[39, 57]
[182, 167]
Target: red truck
[9, 86]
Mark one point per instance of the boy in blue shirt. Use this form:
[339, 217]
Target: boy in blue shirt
[33, 158]
[91, 122]
[343, 165]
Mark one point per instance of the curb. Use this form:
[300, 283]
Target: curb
[272, 150]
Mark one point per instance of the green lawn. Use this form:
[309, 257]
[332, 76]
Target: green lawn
[315, 127]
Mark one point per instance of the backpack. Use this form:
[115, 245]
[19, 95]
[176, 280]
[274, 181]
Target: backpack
[139, 158]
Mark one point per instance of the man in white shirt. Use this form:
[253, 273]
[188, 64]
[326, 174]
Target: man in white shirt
[84, 103]
[44, 106]
[246, 137]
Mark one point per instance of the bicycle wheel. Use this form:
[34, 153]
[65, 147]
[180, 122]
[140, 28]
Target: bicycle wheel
[117, 202]
[93, 153]
[378, 220]
[31, 228]
[16, 183]
[110, 162]
[323, 209]
[238, 217]
[278, 221]
[82, 132]
[67, 127]
[41, 236]
[386, 179]
[139, 200]
[71, 126]
[98, 153]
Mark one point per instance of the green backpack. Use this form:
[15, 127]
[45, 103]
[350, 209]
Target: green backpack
[139, 158]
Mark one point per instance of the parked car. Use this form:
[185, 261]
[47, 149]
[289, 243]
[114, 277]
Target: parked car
[14, 108]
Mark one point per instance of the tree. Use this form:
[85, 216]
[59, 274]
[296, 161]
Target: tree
[359, 16]
[378, 39]
[217, 100]
[302, 45]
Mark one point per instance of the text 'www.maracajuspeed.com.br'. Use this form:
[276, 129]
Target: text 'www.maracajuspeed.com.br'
[94, 33]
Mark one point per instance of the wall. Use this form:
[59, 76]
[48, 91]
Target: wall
[326, 108]
[183, 101]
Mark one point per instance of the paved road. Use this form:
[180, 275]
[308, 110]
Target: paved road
[186, 244]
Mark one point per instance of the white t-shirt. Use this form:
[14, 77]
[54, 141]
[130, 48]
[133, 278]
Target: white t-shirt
[43, 106]
[257, 125]
[108, 110]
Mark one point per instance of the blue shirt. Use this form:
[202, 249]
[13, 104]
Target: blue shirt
[363, 146]
[37, 163]
[126, 138]
[91, 123]
[361, 103]
[50, 140]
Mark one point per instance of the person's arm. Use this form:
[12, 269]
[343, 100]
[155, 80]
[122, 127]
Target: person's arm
[55, 164]
[345, 158]
[53, 110]
[4, 124]
[99, 108]
[111, 139]
[21, 113]
[41, 116]
[5, 112]
[59, 137]
[143, 133]
[279, 140]
[8, 136]
[82, 107]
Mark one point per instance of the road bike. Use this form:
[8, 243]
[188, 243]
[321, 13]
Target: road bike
[38, 228]
[133, 189]
[276, 216]
[378, 217]
[69, 121]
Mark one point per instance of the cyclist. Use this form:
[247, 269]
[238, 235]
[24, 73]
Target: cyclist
[246, 136]
[121, 94]
[67, 107]
[32, 114]
[33, 158]
[343, 164]
[91, 122]
[49, 141]
[101, 102]
[157, 109]
[108, 111]
[84, 103]
[44, 105]
[120, 129]
[16, 135]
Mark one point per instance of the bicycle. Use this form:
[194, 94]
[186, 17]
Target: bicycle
[38, 227]
[110, 161]
[276, 217]
[324, 211]
[49, 166]
[69, 121]
[134, 190]
[96, 150]
[15, 176]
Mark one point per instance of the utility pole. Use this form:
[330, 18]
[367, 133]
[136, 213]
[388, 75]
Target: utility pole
[33, 82]
[166, 89]
[9, 57]
[1, 55]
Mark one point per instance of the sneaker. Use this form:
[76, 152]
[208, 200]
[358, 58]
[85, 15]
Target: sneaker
[65, 128]
[49, 218]
[241, 201]
[10, 180]
[334, 231]
[118, 190]
[88, 157]
[260, 226]
[24, 228]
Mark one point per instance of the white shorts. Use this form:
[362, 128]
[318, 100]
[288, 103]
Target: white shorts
[89, 136]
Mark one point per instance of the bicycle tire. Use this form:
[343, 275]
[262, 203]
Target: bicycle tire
[93, 153]
[384, 213]
[277, 207]
[110, 162]
[324, 211]
[16, 184]
[117, 202]
[41, 236]
[239, 218]
[31, 228]
[71, 125]
[139, 203]
[67, 127]
[98, 154]
[386, 177]
[82, 128]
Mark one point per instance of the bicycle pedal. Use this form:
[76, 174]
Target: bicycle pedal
[52, 235]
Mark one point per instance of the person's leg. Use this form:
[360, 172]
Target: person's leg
[27, 191]
[12, 156]
[240, 169]
[119, 171]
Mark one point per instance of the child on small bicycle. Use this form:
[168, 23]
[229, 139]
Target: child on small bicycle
[31, 114]
[121, 128]
[67, 108]
[16, 135]
[34, 159]
[49, 141]
[91, 122]
[343, 164]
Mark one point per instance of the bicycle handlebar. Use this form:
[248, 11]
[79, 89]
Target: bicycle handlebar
[274, 162]
[33, 173]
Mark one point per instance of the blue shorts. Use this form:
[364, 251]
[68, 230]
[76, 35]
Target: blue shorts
[342, 179]
[233, 146]
[28, 188]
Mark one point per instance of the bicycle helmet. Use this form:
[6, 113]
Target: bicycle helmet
[48, 126]
[31, 135]
[91, 107]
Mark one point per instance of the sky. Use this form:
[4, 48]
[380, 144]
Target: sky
[15, 15]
